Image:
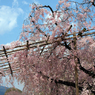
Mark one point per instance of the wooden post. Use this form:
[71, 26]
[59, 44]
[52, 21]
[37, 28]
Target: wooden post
[8, 60]
[76, 70]
[27, 45]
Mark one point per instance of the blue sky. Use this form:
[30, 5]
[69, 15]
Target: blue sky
[12, 15]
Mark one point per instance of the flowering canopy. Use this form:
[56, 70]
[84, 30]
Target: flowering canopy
[59, 55]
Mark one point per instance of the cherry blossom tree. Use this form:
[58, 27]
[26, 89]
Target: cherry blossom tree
[61, 60]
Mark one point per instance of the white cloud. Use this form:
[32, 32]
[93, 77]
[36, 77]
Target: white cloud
[36, 2]
[24, 2]
[8, 17]
[15, 3]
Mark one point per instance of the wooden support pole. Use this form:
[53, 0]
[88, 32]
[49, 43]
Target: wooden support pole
[27, 45]
[76, 70]
[8, 60]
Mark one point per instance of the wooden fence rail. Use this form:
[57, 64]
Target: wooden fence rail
[5, 52]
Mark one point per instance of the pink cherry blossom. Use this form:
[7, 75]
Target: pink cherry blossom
[60, 2]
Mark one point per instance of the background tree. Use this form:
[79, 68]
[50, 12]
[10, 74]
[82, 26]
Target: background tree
[13, 91]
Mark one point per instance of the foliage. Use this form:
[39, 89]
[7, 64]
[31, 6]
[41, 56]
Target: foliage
[14, 91]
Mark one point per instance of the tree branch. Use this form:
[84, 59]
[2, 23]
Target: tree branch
[67, 83]
[49, 8]
[61, 81]
[90, 73]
